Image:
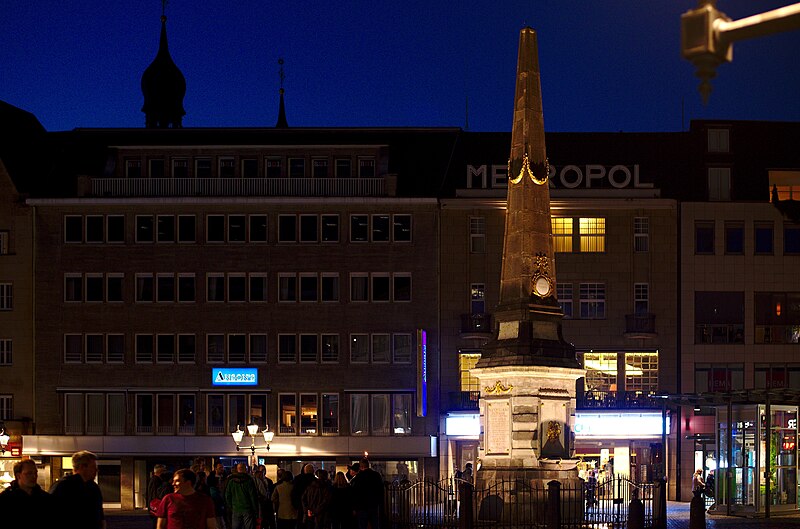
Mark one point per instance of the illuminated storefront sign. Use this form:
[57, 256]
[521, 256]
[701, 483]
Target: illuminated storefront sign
[623, 425]
[422, 373]
[242, 376]
[589, 176]
[467, 425]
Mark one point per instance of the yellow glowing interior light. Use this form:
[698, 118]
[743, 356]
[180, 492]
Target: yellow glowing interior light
[778, 309]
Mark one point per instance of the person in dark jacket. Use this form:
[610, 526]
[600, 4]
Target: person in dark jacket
[77, 497]
[156, 488]
[317, 502]
[341, 503]
[301, 483]
[241, 498]
[24, 502]
[367, 496]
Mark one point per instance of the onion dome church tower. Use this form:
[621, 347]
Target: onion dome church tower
[163, 86]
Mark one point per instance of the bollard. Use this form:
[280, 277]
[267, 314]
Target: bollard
[553, 505]
[636, 513]
[697, 512]
[465, 520]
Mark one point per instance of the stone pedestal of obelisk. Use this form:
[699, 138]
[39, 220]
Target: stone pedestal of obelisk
[527, 372]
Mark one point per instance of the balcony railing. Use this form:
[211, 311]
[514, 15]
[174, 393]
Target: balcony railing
[640, 325]
[215, 187]
[617, 400]
[463, 400]
[476, 323]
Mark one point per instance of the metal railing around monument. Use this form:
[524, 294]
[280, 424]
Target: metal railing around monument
[453, 503]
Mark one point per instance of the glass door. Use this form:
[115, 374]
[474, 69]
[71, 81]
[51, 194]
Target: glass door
[743, 449]
[779, 446]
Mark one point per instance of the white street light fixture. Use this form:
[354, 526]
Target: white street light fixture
[252, 431]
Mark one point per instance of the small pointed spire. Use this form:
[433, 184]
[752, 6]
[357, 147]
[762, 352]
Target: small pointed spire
[163, 86]
[282, 123]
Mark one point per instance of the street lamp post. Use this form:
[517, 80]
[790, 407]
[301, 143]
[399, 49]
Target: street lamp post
[252, 431]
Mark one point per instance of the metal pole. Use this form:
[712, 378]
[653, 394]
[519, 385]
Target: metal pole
[729, 456]
[768, 436]
[768, 23]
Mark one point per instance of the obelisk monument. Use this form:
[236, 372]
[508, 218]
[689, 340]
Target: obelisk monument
[528, 371]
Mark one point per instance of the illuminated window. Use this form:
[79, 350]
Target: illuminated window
[477, 294]
[593, 234]
[467, 361]
[786, 183]
[641, 234]
[641, 371]
[287, 404]
[309, 415]
[330, 414]
[601, 371]
[562, 234]
[593, 300]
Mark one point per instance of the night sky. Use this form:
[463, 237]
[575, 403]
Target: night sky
[607, 65]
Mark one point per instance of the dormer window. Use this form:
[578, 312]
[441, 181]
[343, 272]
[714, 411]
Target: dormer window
[133, 168]
[366, 167]
[202, 168]
[156, 169]
[297, 168]
[227, 168]
[319, 167]
[718, 140]
[180, 168]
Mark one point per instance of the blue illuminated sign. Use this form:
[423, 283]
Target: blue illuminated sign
[241, 376]
[422, 373]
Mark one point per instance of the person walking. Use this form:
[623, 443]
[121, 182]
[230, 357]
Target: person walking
[282, 501]
[367, 496]
[316, 502]
[241, 498]
[341, 503]
[24, 502]
[301, 483]
[185, 508]
[79, 496]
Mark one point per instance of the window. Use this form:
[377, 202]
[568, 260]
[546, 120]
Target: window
[718, 377]
[777, 317]
[401, 413]
[180, 168]
[601, 372]
[94, 348]
[380, 287]
[359, 228]
[309, 348]
[359, 414]
[6, 352]
[564, 295]
[763, 234]
[562, 234]
[215, 348]
[165, 348]
[330, 414]
[249, 168]
[309, 287]
[186, 228]
[133, 168]
[359, 287]
[94, 229]
[401, 228]
[115, 288]
[381, 414]
[237, 348]
[73, 413]
[330, 348]
[165, 287]
[227, 168]
[157, 168]
[215, 414]
[719, 317]
[287, 407]
[186, 288]
[144, 228]
[273, 167]
[187, 348]
[309, 414]
[186, 414]
[344, 168]
[73, 228]
[401, 349]
[287, 228]
[258, 288]
[144, 348]
[309, 228]
[237, 228]
[380, 348]
[73, 287]
[319, 167]
[287, 348]
[116, 413]
[6, 296]
[791, 240]
[145, 418]
[770, 376]
[94, 288]
[477, 298]
[115, 228]
[593, 300]
[4, 242]
[366, 167]
[592, 234]
[641, 298]
[380, 228]
[6, 407]
[719, 183]
[258, 228]
[704, 237]
[215, 228]
[477, 234]
[466, 361]
[297, 168]
[641, 234]
[785, 183]
[359, 348]
[237, 288]
[115, 348]
[258, 348]
[330, 287]
[287, 287]
[641, 372]
[330, 228]
[215, 288]
[95, 413]
[202, 168]
[73, 348]
[402, 287]
[718, 140]
[734, 238]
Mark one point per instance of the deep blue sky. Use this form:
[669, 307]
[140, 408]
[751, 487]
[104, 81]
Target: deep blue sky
[607, 65]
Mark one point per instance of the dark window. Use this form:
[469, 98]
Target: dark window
[258, 348]
[237, 288]
[297, 168]
[157, 168]
[227, 168]
[144, 348]
[180, 168]
[133, 168]
[144, 228]
[380, 288]
[791, 240]
[330, 228]
[344, 168]
[258, 288]
[777, 317]
[402, 228]
[308, 228]
[704, 238]
[380, 228]
[734, 238]
[366, 167]
[287, 348]
[236, 228]
[237, 348]
[359, 228]
[402, 288]
[287, 288]
[258, 228]
[764, 237]
[144, 288]
[215, 228]
[719, 317]
[166, 228]
[330, 287]
[249, 168]
[202, 168]
[115, 344]
[215, 288]
[273, 167]
[308, 288]
[115, 228]
[94, 288]
[187, 347]
[165, 286]
[359, 287]
[186, 289]
[309, 347]
[73, 228]
[166, 348]
[73, 288]
[186, 228]
[319, 167]
[94, 228]
[114, 288]
[287, 228]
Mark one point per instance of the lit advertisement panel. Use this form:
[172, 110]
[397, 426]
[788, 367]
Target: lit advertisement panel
[623, 425]
[466, 425]
[240, 376]
[422, 373]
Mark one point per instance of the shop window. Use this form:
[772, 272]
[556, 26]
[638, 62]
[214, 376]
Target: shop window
[592, 234]
[477, 235]
[187, 228]
[593, 300]
[258, 228]
[115, 228]
[215, 348]
[777, 317]
[144, 413]
[359, 348]
[287, 228]
[466, 361]
[641, 234]
[287, 348]
[309, 414]
[704, 237]
[144, 348]
[258, 348]
[718, 377]
[763, 235]
[401, 228]
[330, 228]
[186, 414]
[330, 414]
[641, 372]
[73, 413]
[215, 414]
[380, 228]
[734, 238]
[564, 295]
[401, 349]
[165, 414]
[287, 406]
[215, 228]
[770, 376]
[719, 317]
[601, 372]
[359, 228]
[330, 348]
[562, 234]
[237, 228]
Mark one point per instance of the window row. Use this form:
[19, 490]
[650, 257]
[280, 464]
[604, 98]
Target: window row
[587, 234]
[237, 228]
[720, 317]
[762, 238]
[592, 302]
[343, 166]
[232, 348]
[177, 413]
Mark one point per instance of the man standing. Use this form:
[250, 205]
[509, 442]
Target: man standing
[185, 508]
[77, 497]
[367, 496]
[241, 499]
[24, 502]
[155, 487]
[301, 483]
